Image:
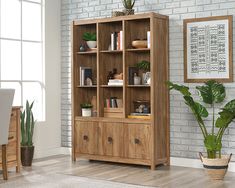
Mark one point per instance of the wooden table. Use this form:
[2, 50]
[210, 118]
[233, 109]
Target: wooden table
[13, 146]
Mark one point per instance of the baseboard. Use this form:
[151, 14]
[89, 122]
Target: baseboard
[194, 163]
[175, 161]
[51, 152]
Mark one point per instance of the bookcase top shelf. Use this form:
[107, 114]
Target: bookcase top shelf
[120, 18]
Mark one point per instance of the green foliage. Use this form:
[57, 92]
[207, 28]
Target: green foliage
[86, 105]
[87, 36]
[212, 92]
[27, 123]
[128, 4]
[143, 65]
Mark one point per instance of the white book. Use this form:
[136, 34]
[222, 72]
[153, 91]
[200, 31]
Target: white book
[112, 41]
[148, 39]
[115, 81]
[82, 73]
[121, 38]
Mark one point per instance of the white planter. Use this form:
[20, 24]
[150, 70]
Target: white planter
[91, 44]
[86, 112]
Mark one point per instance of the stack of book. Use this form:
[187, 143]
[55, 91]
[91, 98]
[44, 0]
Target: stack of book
[139, 116]
[115, 82]
[116, 40]
[85, 73]
[113, 102]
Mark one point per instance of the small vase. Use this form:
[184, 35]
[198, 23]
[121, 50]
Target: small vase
[137, 80]
[86, 112]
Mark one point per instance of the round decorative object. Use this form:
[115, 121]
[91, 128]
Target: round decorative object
[117, 13]
[91, 44]
[146, 78]
[139, 43]
[129, 11]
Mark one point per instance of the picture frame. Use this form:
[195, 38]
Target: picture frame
[208, 49]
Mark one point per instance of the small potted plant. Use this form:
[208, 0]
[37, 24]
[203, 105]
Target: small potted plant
[90, 39]
[211, 93]
[145, 67]
[128, 5]
[86, 109]
[27, 123]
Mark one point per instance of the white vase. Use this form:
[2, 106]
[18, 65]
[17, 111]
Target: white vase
[91, 44]
[146, 78]
[86, 112]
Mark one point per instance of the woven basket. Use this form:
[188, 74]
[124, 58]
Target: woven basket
[129, 11]
[117, 13]
[216, 168]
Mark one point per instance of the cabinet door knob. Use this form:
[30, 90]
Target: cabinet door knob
[110, 139]
[85, 137]
[137, 141]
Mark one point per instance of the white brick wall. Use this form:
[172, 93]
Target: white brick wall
[186, 138]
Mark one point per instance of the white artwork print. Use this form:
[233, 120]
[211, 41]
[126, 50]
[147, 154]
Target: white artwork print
[208, 50]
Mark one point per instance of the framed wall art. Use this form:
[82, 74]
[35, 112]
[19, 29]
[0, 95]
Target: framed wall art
[208, 49]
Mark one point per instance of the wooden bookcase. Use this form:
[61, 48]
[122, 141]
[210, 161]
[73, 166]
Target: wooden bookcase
[122, 139]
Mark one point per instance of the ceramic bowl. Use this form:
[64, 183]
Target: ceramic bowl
[139, 43]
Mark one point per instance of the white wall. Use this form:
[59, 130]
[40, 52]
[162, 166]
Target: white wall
[47, 137]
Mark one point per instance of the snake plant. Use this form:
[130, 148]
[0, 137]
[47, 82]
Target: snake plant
[27, 125]
[128, 4]
[211, 93]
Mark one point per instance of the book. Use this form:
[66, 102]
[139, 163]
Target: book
[112, 41]
[148, 39]
[115, 81]
[119, 103]
[115, 84]
[87, 74]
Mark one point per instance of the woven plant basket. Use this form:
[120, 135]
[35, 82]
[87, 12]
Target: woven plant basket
[117, 13]
[129, 11]
[216, 168]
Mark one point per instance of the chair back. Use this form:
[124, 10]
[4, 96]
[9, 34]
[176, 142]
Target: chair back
[6, 100]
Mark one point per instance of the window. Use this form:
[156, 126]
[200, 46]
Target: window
[21, 52]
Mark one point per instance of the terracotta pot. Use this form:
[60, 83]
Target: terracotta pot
[216, 168]
[27, 155]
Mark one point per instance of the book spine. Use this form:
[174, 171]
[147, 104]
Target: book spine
[112, 41]
[115, 40]
[83, 77]
[148, 39]
[118, 41]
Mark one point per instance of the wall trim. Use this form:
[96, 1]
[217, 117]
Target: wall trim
[194, 163]
[175, 161]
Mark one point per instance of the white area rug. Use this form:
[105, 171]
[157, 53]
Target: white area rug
[62, 181]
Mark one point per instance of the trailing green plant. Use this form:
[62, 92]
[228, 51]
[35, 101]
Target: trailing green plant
[211, 93]
[27, 123]
[86, 105]
[143, 65]
[128, 4]
[87, 36]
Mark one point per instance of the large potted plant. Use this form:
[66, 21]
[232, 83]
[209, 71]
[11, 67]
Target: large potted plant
[90, 39]
[211, 93]
[27, 128]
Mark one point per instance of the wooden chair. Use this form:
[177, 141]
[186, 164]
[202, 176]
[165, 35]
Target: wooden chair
[6, 100]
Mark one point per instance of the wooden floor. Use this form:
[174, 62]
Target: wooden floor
[164, 177]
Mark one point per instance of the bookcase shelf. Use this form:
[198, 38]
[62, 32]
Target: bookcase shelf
[129, 123]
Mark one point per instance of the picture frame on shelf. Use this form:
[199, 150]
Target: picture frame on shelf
[208, 49]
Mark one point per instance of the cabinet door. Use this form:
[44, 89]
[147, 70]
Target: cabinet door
[137, 141]
[86, 139]
[111, 139]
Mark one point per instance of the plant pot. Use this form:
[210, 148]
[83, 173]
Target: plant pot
[91, 44]
[216, 168]
[129, 11]
[86, 112]
[27, 155]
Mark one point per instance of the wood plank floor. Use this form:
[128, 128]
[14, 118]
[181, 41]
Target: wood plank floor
[164, 177]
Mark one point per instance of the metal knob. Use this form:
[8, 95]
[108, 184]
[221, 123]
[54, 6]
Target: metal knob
[85, 137]
[110, 139]
[137, 141]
